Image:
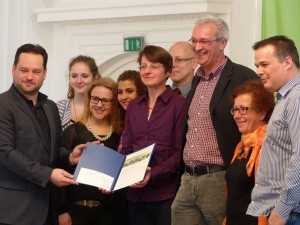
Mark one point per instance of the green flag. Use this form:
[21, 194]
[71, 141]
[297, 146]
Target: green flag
[281, 17]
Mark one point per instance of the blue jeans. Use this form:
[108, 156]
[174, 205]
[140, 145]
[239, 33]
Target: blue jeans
[200, 200]
[294, 219]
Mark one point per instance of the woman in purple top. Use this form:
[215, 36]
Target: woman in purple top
[155, 117]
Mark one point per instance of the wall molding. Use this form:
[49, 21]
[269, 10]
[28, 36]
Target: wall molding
[98, 30]
[4, 26]
[128, 11]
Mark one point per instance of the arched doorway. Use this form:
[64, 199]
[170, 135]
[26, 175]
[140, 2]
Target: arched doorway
[116, 65]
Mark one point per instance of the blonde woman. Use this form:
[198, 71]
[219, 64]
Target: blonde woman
[100, 122]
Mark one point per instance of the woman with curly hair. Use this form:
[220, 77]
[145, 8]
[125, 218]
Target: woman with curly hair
[84, 204]
[130, 87]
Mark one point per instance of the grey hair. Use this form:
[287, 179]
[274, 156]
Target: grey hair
[222, 27]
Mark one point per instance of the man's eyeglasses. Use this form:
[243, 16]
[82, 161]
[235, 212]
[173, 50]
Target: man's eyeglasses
[206, 42]
[242, 110]
[105, 101]
[151, 66]
[181, 60]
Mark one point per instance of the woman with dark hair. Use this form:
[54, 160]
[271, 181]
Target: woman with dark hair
[155, 117]
[252, 108]
[130, 87]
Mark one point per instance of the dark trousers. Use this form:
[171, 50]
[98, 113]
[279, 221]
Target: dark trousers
[100, 215]
[50, 219]
[150, 213]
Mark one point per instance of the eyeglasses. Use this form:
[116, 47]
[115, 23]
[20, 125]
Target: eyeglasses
[181, 60]
[104, 101]
[242, 110]
[151, 66]
[206, 42]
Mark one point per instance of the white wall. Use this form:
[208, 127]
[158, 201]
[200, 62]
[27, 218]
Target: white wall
[18, 26]
[67, 28]
[245, 29]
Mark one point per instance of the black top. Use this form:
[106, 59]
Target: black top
[239, 188]
[77, 134]
[39, 113]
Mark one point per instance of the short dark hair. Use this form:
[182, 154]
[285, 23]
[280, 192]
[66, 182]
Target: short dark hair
[157, 54]
[262, 99]
[34, 49]
[283, 46]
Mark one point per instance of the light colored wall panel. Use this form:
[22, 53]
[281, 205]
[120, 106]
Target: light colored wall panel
[67, 28]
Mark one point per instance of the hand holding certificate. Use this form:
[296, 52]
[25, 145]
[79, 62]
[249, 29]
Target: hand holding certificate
[105, 168]
[145, 181]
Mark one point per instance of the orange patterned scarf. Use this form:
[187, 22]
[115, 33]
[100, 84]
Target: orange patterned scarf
[250, 141]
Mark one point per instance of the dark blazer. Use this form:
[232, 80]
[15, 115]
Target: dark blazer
[227, 132]
[26, 162]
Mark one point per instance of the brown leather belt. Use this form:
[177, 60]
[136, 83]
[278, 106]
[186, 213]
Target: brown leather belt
[88, 203]
[201, 170]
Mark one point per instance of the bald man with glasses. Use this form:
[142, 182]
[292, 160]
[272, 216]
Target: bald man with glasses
[184, 66]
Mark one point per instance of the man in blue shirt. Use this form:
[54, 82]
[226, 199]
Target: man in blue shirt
[277, 190]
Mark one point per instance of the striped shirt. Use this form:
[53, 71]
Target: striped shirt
[64, 108]
[201, 146]
[278, 178]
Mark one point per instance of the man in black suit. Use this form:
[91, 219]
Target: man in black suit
[211, 134]
[30, 145]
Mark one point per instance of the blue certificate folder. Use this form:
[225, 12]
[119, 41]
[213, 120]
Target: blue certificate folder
[106, 168]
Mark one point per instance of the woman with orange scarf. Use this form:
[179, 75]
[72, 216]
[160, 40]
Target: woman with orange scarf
[252, 108]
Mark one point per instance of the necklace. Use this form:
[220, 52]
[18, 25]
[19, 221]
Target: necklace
[151, 107]
[74, 109]
[97, 136]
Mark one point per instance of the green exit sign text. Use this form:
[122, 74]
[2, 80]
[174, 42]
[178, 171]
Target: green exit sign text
[132, 44]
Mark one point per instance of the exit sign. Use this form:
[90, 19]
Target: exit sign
[132, 44]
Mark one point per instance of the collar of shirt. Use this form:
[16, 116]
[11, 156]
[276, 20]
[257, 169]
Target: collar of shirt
[284, 90]
[165, 96]
[40, 100]
[200, 72]
[39, 113]
[184, 89]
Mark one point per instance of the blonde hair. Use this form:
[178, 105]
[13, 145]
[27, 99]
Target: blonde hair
[114, 116]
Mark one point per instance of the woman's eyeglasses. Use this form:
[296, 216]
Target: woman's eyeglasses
[104, 101]
[242, 110]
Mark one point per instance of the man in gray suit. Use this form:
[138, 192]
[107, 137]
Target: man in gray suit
[30, 145]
